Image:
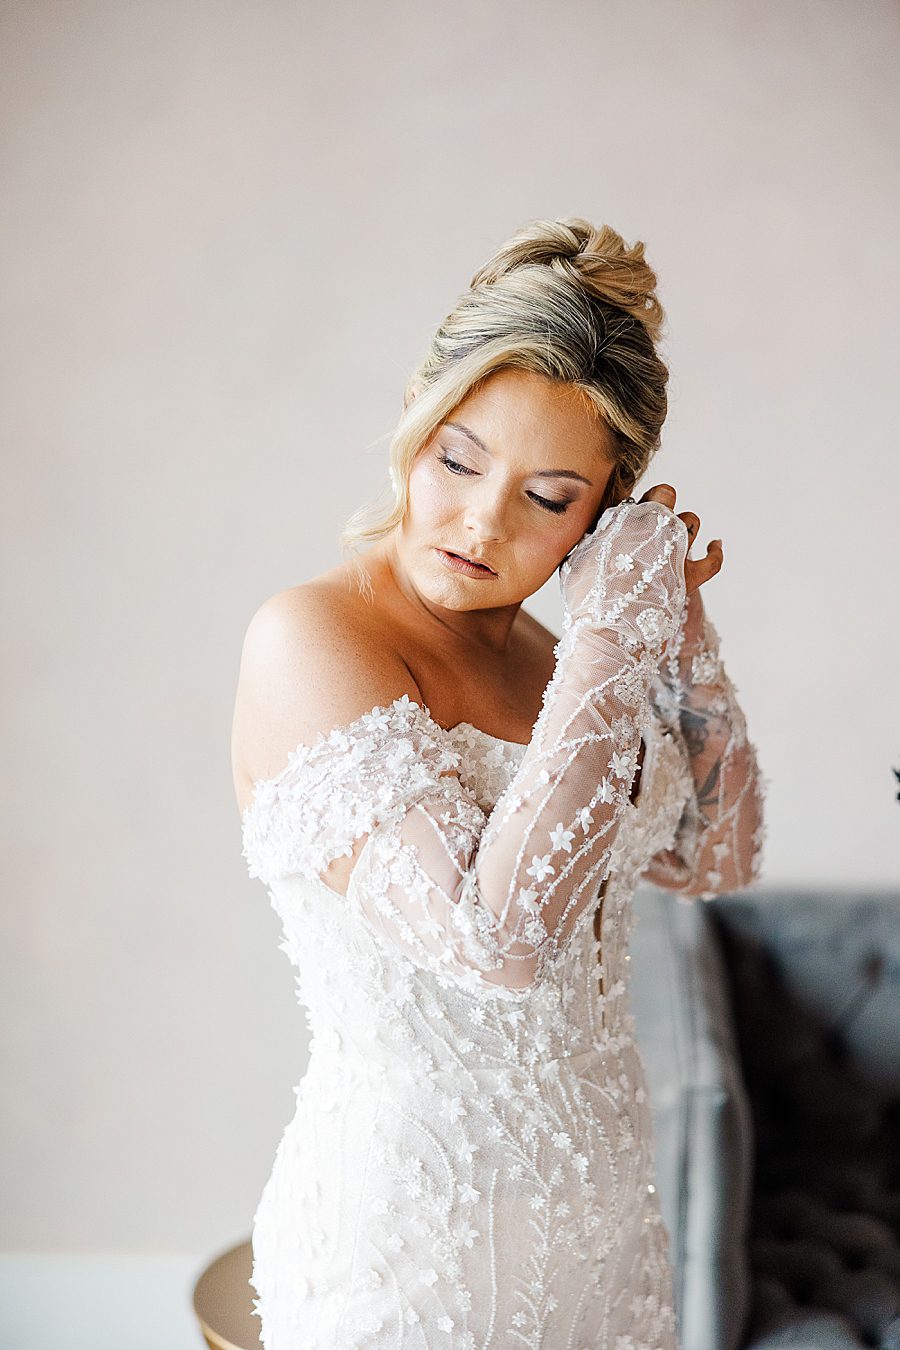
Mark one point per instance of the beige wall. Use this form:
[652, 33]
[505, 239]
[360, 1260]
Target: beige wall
[228, 232]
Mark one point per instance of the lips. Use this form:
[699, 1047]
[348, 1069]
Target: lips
[461, 562]
[476, 562]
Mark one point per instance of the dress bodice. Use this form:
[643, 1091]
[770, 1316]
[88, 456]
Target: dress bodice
[436, 1125]
[359, 990]
[666, 784]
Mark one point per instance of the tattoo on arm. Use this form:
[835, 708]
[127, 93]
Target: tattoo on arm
[693, 729]
[708, 791]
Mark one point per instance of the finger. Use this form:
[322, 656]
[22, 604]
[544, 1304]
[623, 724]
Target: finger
[661, 492]
[697, 571]
[692, 524]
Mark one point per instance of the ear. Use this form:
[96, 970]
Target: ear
[410, 394]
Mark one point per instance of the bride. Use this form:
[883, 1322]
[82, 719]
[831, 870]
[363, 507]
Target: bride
[451, 806]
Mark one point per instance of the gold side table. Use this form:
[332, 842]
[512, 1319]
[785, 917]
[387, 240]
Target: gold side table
[223, 1301]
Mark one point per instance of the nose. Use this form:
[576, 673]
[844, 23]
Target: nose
[484, 517]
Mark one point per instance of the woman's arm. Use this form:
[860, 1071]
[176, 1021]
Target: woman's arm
[492, 899]
[718, 847]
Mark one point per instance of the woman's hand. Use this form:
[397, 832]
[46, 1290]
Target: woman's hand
[698, 570]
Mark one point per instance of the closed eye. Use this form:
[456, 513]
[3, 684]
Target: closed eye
[455, 467]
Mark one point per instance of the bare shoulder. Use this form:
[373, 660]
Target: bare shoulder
[314, 657]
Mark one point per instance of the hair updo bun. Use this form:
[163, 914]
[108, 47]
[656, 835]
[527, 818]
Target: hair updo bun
[565, 300]
[597, 259]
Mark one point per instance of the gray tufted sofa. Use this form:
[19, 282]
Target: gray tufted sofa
[769, 1022]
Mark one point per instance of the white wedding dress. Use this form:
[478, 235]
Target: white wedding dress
[470, 1163]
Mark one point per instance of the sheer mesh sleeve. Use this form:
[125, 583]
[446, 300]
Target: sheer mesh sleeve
[718, 846]
[491, 899]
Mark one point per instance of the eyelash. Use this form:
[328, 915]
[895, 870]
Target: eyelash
[556, 507]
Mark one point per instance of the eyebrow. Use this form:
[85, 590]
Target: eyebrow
[538, 473]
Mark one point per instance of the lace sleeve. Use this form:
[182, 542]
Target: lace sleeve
[491, 899]
[718, 845]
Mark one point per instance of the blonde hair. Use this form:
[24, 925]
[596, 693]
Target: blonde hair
[562, 299]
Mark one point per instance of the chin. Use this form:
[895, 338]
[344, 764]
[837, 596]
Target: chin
[447, 592]
[450, 597]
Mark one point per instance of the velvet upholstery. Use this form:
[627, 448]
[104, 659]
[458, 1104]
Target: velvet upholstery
[769, 1022]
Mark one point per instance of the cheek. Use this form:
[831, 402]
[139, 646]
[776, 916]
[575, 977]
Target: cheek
[558, 538]
[431, 495]
[542, 555]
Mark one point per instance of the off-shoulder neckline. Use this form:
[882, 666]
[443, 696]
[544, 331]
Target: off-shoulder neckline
[405, 703]
[521, 745]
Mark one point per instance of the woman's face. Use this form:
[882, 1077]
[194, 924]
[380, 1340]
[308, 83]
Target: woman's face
[514, 477]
